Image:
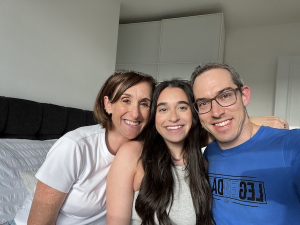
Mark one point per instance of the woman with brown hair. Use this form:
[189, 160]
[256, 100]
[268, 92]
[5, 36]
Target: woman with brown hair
[72, 180]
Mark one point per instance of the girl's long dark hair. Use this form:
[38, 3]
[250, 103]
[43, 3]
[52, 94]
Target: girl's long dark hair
[156, 191]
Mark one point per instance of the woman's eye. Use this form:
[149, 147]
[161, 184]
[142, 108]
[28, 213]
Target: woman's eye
[126, 101]
[145, 104]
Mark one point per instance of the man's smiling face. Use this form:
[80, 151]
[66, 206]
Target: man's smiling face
[226, 124]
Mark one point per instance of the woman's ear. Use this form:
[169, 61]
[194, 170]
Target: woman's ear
[107, 105]
[246, 95]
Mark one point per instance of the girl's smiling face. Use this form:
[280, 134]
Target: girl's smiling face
[173, 118]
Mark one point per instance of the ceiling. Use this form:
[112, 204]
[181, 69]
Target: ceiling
[237, 13]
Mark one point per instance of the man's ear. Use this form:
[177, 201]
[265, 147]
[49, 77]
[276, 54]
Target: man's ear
[246, 95]
[107, 105]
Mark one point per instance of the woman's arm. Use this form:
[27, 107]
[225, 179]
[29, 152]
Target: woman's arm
[46, 204]
[270, 121]
[120, 183]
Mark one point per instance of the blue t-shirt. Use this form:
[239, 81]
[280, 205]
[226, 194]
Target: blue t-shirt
[257, 182]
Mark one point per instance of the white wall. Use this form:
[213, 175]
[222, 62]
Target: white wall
[57, 51]
[254, 52]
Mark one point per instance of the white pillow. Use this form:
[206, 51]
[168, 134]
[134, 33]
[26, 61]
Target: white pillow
[29, 179]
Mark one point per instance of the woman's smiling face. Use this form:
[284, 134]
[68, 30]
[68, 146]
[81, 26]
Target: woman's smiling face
[130, 113]
[173, 119]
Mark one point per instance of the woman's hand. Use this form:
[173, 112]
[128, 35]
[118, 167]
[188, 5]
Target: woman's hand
[270, 121]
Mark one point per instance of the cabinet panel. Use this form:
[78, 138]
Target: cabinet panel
[138, 43]
[190, 39]
[171, 48]
[179, 70]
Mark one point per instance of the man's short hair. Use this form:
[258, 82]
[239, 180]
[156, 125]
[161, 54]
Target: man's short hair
[236, 78]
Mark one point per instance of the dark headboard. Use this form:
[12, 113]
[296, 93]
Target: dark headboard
[25, 119]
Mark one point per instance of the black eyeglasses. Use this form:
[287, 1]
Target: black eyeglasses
[225, 98]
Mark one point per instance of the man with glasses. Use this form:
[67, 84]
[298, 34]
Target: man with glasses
[254, 171]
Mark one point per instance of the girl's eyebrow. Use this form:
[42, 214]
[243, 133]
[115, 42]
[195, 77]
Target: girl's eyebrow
[179, 102]
[161, 103]
[183, 102]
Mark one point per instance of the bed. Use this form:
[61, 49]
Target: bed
[28, 129]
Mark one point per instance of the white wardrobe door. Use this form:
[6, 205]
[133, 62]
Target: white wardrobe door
[138, 43]
[178, 70]
[192, 39]
[287, 100]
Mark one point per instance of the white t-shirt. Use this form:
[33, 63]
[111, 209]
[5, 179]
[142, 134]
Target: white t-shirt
[78, 164]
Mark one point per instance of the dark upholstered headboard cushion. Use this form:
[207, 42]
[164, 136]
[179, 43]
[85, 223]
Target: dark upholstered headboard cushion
[27, 119]
[3, 112]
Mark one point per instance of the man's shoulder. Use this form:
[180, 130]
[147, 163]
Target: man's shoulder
[289, 139]
[280, 132]
[211, 147]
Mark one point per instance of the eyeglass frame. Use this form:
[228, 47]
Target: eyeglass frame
[215, 98]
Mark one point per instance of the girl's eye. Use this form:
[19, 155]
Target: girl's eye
[182, 108]
[162, 110]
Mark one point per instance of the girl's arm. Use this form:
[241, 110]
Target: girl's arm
[120, 183]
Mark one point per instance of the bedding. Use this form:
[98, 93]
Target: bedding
[28, 129]
[17, 156]
[29, 179]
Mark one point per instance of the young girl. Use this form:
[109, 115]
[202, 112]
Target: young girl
[162, 180]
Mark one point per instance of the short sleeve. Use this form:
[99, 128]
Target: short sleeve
[62, 166]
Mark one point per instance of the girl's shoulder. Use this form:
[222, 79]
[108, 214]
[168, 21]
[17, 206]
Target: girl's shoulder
[131, 150]
[133, 144]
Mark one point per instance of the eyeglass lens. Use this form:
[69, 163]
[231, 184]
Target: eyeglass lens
[224, 99]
